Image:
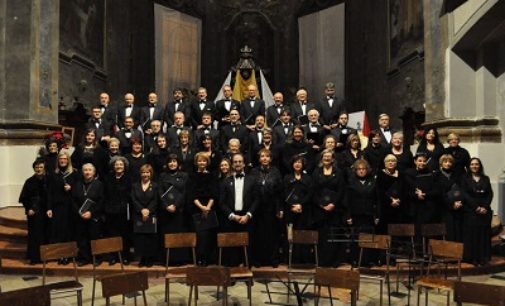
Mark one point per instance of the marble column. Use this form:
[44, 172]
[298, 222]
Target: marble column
[29, 46]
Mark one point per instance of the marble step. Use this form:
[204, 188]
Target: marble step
[13, 216]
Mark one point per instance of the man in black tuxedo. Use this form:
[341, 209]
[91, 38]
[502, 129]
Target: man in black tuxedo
[199, 106]
[178, 104]
[153, 111]
[301, 107]
[109, 112]
[234, 130]
[151, 135]
[129, 109]
[102, 127]
[314, 130]
[224, 106]
[251, 107]
[174, 131]
[205, 128]
[126, 134]
[238, 197]
[256, 135]
[385, 131]
[284, 129]
[330, 107]
[274, 111]
[342, 131]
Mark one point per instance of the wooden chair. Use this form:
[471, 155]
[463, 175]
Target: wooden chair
[124, 283]
[302, 237]
[381, 243]
[208, 276]
[34, 296]
[441, 252]
[56, 251]
[241, 273]
[402, 247]
[336, 278]
[432, 231]
[481, 294]
[102, 247]
[176, 241]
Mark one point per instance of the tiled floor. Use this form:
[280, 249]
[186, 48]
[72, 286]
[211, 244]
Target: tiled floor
[369, 294]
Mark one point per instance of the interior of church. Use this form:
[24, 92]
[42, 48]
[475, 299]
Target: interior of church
[364, 83]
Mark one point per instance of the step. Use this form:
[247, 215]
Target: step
[13, 216]
[12, 250]
[13, 234]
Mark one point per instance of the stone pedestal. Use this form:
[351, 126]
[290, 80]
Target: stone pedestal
[28, 87]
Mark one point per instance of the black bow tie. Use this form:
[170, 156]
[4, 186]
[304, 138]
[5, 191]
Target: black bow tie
[239, 175]
[387, 130]
[129, 106]
[279, 106]
[303, 103]
[103, 106]
[128, 131]
[203, 101]
[315, 124]
[152, 105]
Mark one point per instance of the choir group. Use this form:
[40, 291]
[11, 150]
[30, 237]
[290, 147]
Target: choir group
[205, 167]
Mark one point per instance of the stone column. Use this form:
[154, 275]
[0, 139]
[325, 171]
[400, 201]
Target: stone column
[29, 43]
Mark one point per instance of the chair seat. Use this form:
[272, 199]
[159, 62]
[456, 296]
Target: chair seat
[65, 286]
[240, 272]
[436, 283]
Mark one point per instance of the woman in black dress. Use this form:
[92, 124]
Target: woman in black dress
[266, 225]
[144, 196]
[118, 206]
[361, 199]
[136, 159]
[431, 146]
[392, 206]
[460, 154]
[202, 199]
[298, 189]
[59, 200]
[351, 154]
[477, 214]
[207, 146]
[297, 145]
[34, 197]
[375, 152]
[330, 209]
[185, 152]
[87, 195]
[403, 155]
[172, 194]
[90, 151]
[51, 155]
[158, 156]
[452, 197]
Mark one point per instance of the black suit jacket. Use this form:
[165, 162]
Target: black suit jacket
[135, 114]
[342, 137]
[279, 136]
[241, 133]
[145, 119]
[173, 135]
[296, 110]
[273, 115]
[384, 141]
[222, 112]
[249, 195]
[330, 114]
[196, 112]
[214, 134]
[249, 113]
[104, 127]
[319, 134]
[125, 145]
[169, 112]
[109, 113]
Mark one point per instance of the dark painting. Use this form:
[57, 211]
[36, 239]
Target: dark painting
[82, 28]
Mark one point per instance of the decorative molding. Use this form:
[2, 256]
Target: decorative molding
[73, 57]
[469, 130]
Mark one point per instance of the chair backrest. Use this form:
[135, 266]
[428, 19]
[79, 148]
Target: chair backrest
[337, 278]
[106, 245]
[58, 250]
[180, 240]
[34, 296]
[482, 294]
[372, 241]
[237, 239]
[208, 276]
[401, 230]
[123, 283]
[447, 249]
[305, 237]
[434, 230]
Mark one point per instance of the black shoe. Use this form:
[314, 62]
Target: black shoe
[126, 262]
[112, 262]
[149, 264]
[142, 263]
[65, 261]
[98, 262]
[81, 263]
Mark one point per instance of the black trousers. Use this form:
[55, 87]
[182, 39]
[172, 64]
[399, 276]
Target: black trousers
[87, 230]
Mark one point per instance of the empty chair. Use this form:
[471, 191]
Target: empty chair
[302, 237]
[99, 247]
[441, 252]
[402, 247]
[177, 241]
[208, 276]
[476, 293]
[240, 273]
[432, 231]
[34, 296]
[336, 278]
[56, 251]
[124, 283]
